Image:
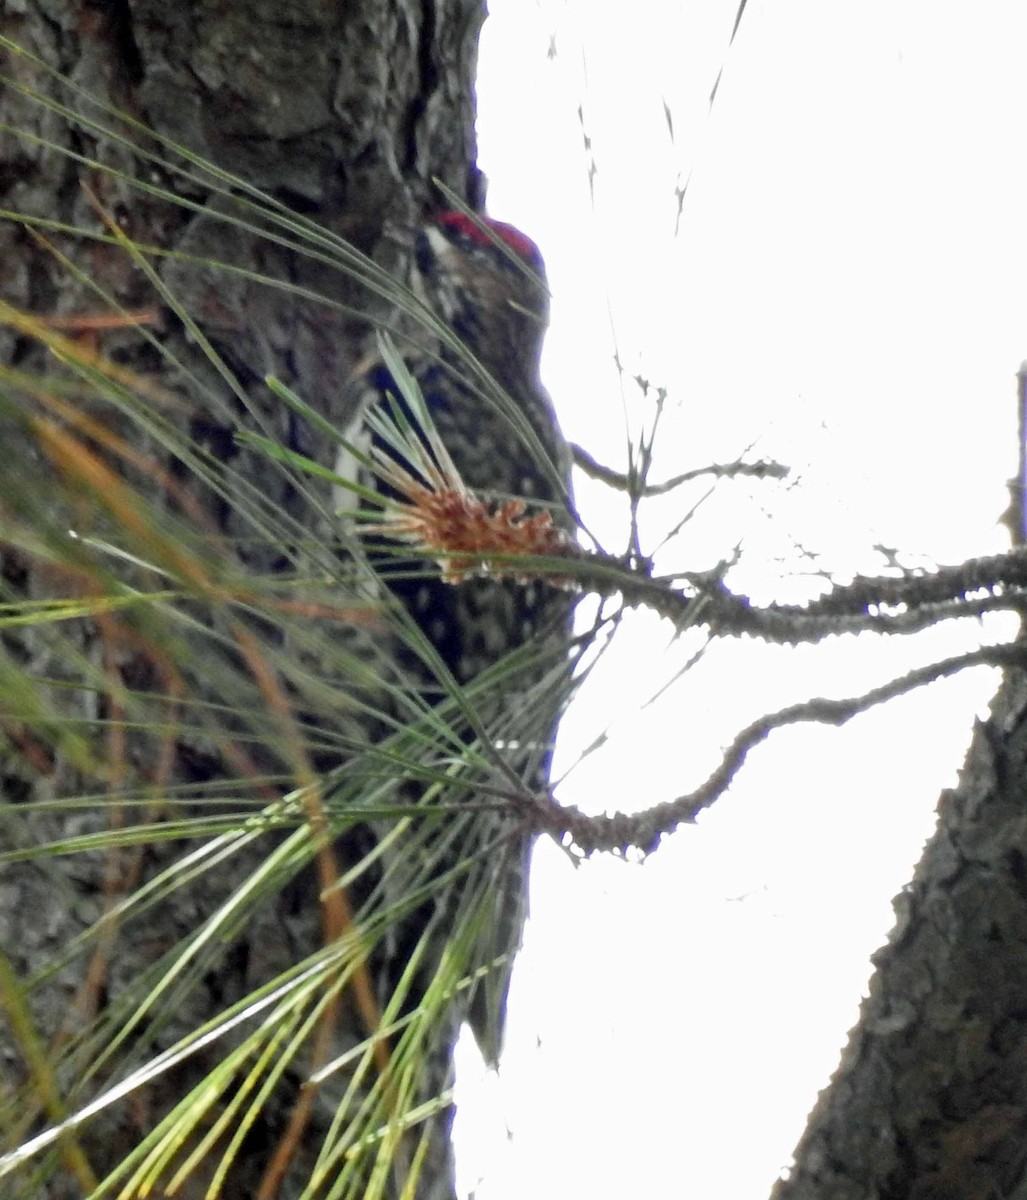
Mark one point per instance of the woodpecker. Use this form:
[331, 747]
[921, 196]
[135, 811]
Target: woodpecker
[475, 358]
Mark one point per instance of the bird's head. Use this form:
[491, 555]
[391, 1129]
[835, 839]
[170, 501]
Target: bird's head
[486, 279]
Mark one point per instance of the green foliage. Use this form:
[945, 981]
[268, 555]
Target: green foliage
[200, 716]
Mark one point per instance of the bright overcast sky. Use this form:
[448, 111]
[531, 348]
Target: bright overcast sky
[844, 291]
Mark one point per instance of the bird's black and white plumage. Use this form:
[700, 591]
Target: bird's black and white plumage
[474, 356]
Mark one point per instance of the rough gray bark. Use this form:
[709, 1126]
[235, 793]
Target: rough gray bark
[345, 113]
[930, 1100]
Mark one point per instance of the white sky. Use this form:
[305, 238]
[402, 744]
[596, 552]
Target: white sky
[845, 291]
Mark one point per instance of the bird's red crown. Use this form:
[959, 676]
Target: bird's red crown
[461, 225]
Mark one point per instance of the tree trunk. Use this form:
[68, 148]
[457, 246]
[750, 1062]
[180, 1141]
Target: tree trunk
[930, 1100]
[345, 114]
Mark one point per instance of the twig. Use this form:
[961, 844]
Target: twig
[624, 483]
[620, 832]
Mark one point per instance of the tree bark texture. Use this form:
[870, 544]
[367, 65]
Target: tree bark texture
[930, 1099]
[345, 112]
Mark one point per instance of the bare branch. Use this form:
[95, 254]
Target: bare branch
[890, 604]
[623, 482]
[621, 831]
